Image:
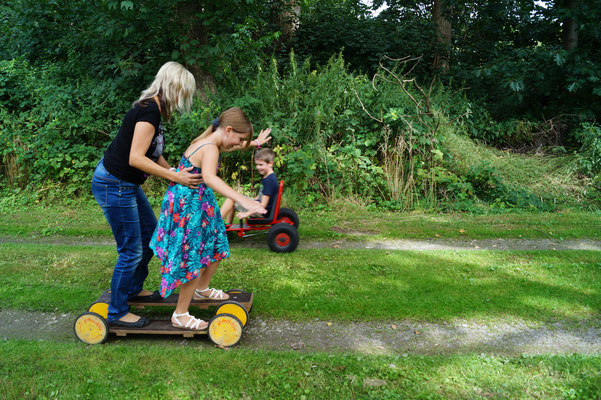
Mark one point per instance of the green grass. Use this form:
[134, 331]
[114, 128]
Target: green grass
[44, 370]
[347, 221]
[551, 177]
[338, 285]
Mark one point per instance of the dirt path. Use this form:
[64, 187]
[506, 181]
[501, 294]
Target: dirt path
[388, 244]
[505, 337]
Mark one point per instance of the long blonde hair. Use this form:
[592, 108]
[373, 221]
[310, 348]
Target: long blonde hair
[174, 85]
[234, 117]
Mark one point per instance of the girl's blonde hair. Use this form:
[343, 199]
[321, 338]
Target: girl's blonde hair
[234, 117]
[174, 85]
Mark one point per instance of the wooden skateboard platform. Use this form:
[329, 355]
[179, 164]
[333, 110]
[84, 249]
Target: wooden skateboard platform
[156, 327]
[244, 298]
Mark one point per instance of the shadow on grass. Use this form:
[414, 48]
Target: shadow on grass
[432, 286]
[338, 284]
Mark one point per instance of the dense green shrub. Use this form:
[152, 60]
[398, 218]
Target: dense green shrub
[589, 156]
[52, 131]
[335, 134]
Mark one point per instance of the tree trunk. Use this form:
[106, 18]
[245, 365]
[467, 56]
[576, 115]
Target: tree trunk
[569, 34]
[196, 36]
[288, 18]
[443, 35]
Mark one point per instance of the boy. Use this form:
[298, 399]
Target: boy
[267, 195]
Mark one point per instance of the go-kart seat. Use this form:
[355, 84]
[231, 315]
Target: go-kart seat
[269, 219]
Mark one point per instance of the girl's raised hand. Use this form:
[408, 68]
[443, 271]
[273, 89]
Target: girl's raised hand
[252, 207]
[264, 136]
[185, 178]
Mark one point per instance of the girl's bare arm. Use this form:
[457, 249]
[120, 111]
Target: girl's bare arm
[210, 158]
[263, 138]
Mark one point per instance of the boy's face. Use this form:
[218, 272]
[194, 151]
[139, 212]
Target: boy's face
[264, 167]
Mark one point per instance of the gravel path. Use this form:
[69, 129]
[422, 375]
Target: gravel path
[506, 337]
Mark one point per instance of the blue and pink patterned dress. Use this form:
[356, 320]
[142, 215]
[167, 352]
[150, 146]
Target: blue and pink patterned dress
[190, 232]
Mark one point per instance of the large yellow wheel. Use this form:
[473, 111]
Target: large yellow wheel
[225, 330]
[234, 308]
[100, 308]
[91, 328]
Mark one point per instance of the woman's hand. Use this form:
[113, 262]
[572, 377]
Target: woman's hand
[185, 178]
[264, 137]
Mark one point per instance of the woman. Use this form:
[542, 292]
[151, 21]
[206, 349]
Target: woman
[134, 154]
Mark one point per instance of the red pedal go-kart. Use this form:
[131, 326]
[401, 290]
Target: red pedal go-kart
[281, 224]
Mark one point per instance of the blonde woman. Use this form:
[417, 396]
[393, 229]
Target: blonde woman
[134, 154]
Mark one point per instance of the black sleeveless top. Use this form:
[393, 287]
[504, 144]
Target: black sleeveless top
[116, 156]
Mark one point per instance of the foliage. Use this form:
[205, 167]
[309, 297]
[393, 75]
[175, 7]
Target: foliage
[55, 135]
[508, 55]
[65, 84]
[331, 27]
[589, 159]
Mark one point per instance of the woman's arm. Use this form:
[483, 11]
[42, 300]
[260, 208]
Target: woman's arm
[143, 134]
[210, 157]
[259, 141]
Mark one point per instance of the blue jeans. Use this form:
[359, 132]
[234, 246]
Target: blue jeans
[132, 221]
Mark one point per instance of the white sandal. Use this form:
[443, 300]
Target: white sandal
[215, 294]
[193, 324]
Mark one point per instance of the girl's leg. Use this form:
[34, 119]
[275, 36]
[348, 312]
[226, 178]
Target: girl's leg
[205, 279]
[183, 303]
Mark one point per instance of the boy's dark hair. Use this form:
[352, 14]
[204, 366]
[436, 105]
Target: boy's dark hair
[266, 155]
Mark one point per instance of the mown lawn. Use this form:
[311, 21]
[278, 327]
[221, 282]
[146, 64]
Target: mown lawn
[344, 221]
[334, 284]
[44, 370]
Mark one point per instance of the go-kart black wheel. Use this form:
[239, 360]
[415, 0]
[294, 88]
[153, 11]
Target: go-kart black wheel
[289, 216]
[282, 238]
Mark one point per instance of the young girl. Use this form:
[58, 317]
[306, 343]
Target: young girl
[190, 239]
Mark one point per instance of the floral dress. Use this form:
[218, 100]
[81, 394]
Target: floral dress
[190, 232]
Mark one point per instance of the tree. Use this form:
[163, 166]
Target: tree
[569, 34]
[443, 35]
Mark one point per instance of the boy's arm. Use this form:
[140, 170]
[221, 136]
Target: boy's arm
[265, 200]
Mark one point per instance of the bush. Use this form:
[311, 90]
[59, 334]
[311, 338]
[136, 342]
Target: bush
[53, 131]
[589, 160]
